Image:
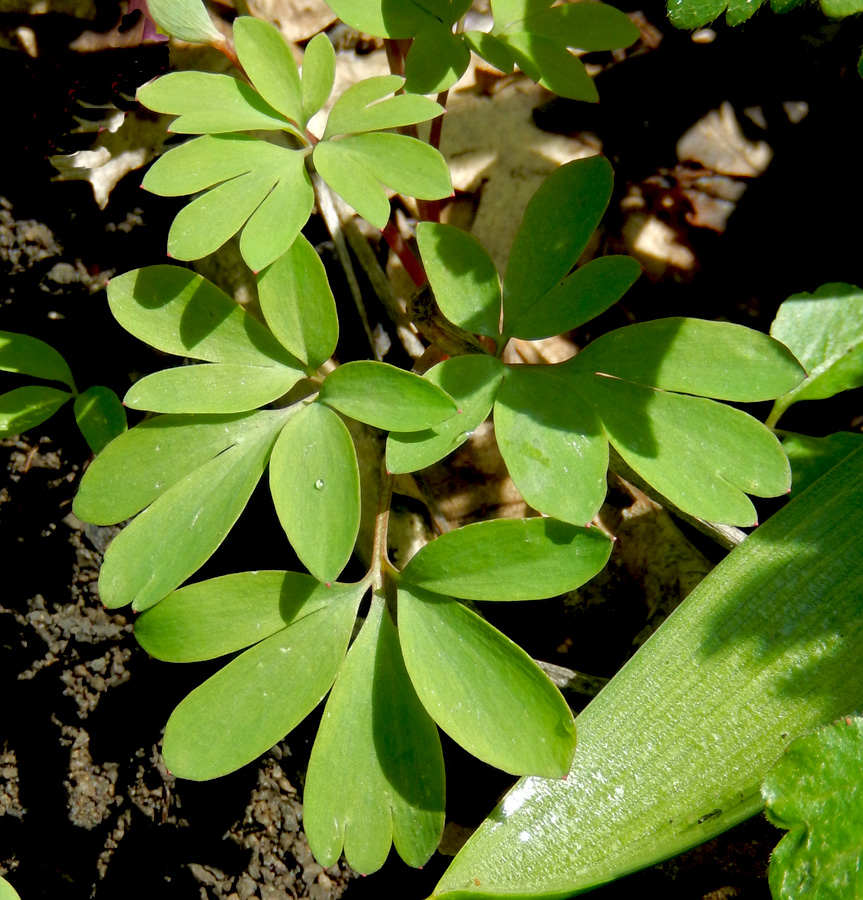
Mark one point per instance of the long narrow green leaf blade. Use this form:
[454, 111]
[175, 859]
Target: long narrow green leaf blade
[185, 19]
[27, 355]
[270, 65]
[27, 407]
[319, 75]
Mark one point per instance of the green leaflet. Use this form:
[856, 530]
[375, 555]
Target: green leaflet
[506, 12]
[551, 65]
[370, 784]
[812, 457]
[27, 355]
[437, 59]
[509, 559]
[7, 892]
[813, 790]
[586, 25]
[386, 397]
[257, 698]
[387, 18]
[27, 407]
[315, 483]
[319, 75]
[491, 49]
[184, 19]
[673, 750]
[100, 416]
[270, 65]
[483, 690]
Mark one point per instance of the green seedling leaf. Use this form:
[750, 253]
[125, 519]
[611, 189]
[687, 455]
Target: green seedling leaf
[386, 397]
[270, 65]
[27, 407]
[211, 388]
[510, 559]
[580, 297]
[558, 221]
[812, 457]
[7, 892]
[178, 312]
[298, 304]
[315, 483]
[376, 773]
[182, 528]
[493, 50]
[100, 416]
[27, 355]
[824, 331]
[472, 381]
[813, 791]
[552, 443]
[588, 26]
[211, 104]
[550, 64]
[386, 18]
[483, 690]
[463, 277]
[436, 60]
[368, 106]
[693, 356]
[673, 751]
[319, 75]
[186, 20]
[257, 698]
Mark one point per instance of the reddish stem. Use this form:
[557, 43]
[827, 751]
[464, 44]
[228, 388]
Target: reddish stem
[406, 256]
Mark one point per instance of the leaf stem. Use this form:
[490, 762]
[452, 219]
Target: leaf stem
[380, 559]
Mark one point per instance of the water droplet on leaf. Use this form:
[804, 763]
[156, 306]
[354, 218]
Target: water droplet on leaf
[319, 484]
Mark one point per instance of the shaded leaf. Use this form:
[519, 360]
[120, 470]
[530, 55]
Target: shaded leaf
[270, 65]
[506, 12]
[491, 49]
[586, 25]
[509, 559]
[483, 690]
[319, 75]
[369, 783]
[185, 19]
[27, 355]
[315, 483]
[100, 416]
[550, 64]
[437, 59]
[812, 457]
[27, 407]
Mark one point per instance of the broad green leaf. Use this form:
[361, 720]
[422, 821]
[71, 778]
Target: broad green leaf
[152, 457]
[509, 559]
[483, 690]
[813, 791]
[7, 892]
[558, 221]
[580, 297]
[838, 9]
[376, 773]
[700, 454]
[586, 25]
[185, 524]
[270, 65]
[812, 457]
[352, 181]
[179, 312]
[552, 443]
[386, 397]
[711, 359]
[100, 416]
[257, 698]
[824, 331]
[211, 388]
[508, 11]
[436, 60]
[491, 49]
[551, 65]
[315, 483]
[368, 106]
[472, 381]
[673, 751]
[27, 407]
[185, 19]
[27, 355]
[463, 277]
[207, 103]
[222, 615]
[319, 75]
[383, 18]
[298, 304]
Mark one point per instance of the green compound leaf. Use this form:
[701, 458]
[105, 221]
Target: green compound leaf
[580, 297]
[368, 106]
[178, 312]
[27, 355]
[824, 331]
[376, 774]
[673, 751]
[257, 698]
[463, 277]
[483, 690]
[386, 18]
[27, 407]
[356, 166]
[386, 397]
[558, 222]
[270, 65]
[693, 356]
[298, 304]
[813, 791]
[100, 416]
[211, 104]
[185, 524]
[550, 64]
[586, 25]
[185, 19]
[472, 381]
[315, 483]
[211, 388]
[552, 442]
[509, 559]
[222, 615]
[437, 59]
[812, 457]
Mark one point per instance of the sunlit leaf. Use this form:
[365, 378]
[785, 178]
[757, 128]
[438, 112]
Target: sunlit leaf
[386, 18]
[27, 355]
[26, 407]
[185, 19]
[586, 25]
[812, 457]
[100, 416]
[436, 60]
[319, 74]
[270, 65]
[550, 64]
[352, 181]
[508, 11]
[7, 892]
[491, 49]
